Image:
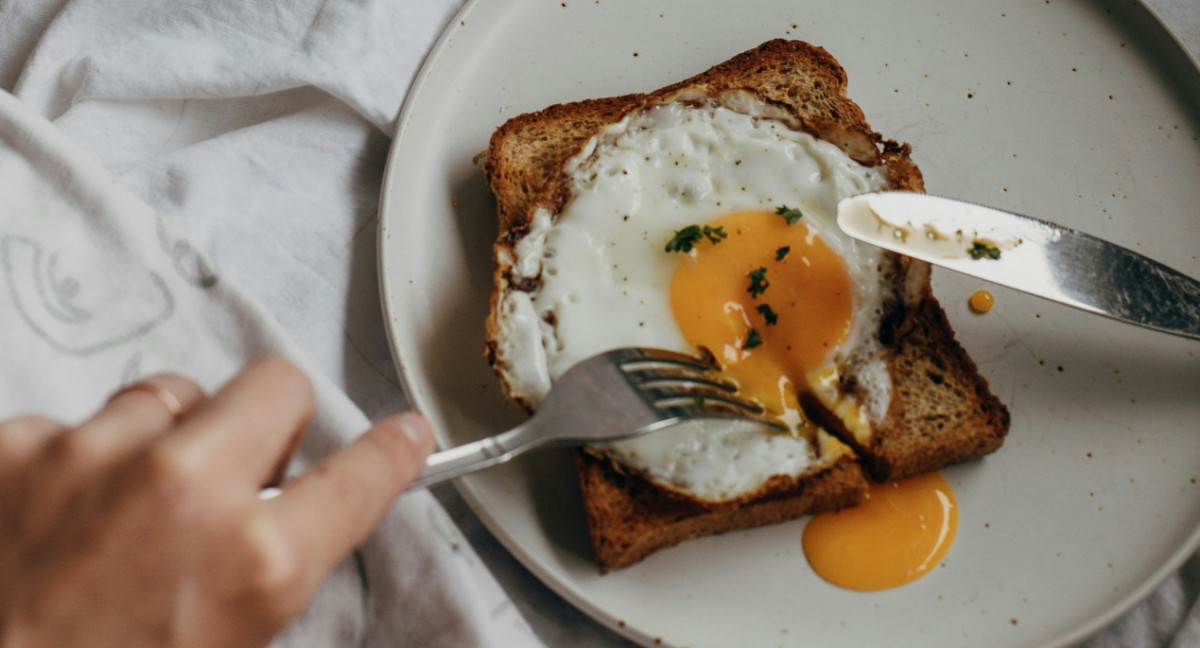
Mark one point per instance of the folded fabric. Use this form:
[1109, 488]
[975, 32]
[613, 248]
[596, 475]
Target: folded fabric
[98, 291]
[100, 286]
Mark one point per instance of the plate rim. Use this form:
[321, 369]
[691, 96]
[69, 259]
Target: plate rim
[469, 487]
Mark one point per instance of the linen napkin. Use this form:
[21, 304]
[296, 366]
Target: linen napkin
[98, 291]
[179, 215]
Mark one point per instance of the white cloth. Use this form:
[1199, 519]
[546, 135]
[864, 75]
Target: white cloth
[186, 184]
[206, 194]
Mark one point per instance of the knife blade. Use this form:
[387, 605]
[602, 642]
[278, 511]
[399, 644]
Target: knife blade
[1031, 255]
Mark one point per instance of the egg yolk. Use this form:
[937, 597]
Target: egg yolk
[900, 532]
[770, 301]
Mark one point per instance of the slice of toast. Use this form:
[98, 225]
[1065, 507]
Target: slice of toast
[940, 411]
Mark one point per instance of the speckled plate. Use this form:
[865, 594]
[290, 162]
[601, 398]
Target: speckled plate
[1082, 112]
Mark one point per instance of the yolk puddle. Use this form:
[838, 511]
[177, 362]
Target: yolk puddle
[900, 532]
[770, 301]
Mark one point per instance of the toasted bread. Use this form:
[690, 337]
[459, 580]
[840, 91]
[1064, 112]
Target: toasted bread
[940, 411]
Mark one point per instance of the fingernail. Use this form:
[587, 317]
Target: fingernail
[415, 427]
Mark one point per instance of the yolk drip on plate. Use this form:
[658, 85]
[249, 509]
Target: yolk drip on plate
[981, 301]
[900, 532]
[769, 301]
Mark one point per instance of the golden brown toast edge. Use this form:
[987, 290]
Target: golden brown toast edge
[628, 517]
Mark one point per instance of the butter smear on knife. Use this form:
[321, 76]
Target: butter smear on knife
[921, 235]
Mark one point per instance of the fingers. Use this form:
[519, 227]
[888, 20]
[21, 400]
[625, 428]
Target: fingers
[250, 426]
[329, 510]
[197, 486]
[21, 437]
[137, 413]
[132, 416]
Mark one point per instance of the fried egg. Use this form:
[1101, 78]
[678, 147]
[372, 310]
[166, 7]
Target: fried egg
[706, 225]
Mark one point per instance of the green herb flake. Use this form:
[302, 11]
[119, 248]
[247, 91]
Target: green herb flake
[790, 214]
[684, 239]
[687, 238]
[768, 314]
[782, 252]
[714, 234]
[758, 281]
[754, 339]
[984, 251]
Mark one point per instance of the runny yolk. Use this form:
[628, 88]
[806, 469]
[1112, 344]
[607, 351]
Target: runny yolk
[900, 532]
[799, 306]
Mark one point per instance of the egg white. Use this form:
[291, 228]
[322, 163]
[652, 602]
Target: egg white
[601, 278]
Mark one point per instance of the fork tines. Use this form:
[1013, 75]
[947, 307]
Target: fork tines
[629, 356]
[683, 385]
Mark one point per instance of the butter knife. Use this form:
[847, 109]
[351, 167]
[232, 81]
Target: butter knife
[1027, 254]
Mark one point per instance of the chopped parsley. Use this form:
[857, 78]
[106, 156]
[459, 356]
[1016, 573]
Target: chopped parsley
[768, 314]
[753, 339]
[684, 239]
[688, 237]
[782, 252]
[714, 234]
[984, 251]
[790, 214]
[758, 281]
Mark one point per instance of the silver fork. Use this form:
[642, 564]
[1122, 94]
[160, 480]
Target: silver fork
[608, 397]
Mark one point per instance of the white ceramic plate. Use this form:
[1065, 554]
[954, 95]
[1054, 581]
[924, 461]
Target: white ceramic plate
[1081, 112]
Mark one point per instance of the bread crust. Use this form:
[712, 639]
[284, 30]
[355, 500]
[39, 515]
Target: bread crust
[629, 517]
[942, 411]
[930, 423]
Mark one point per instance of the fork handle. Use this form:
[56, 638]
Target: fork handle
[469, 457]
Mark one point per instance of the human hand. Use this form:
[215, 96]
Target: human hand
[144, 527]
